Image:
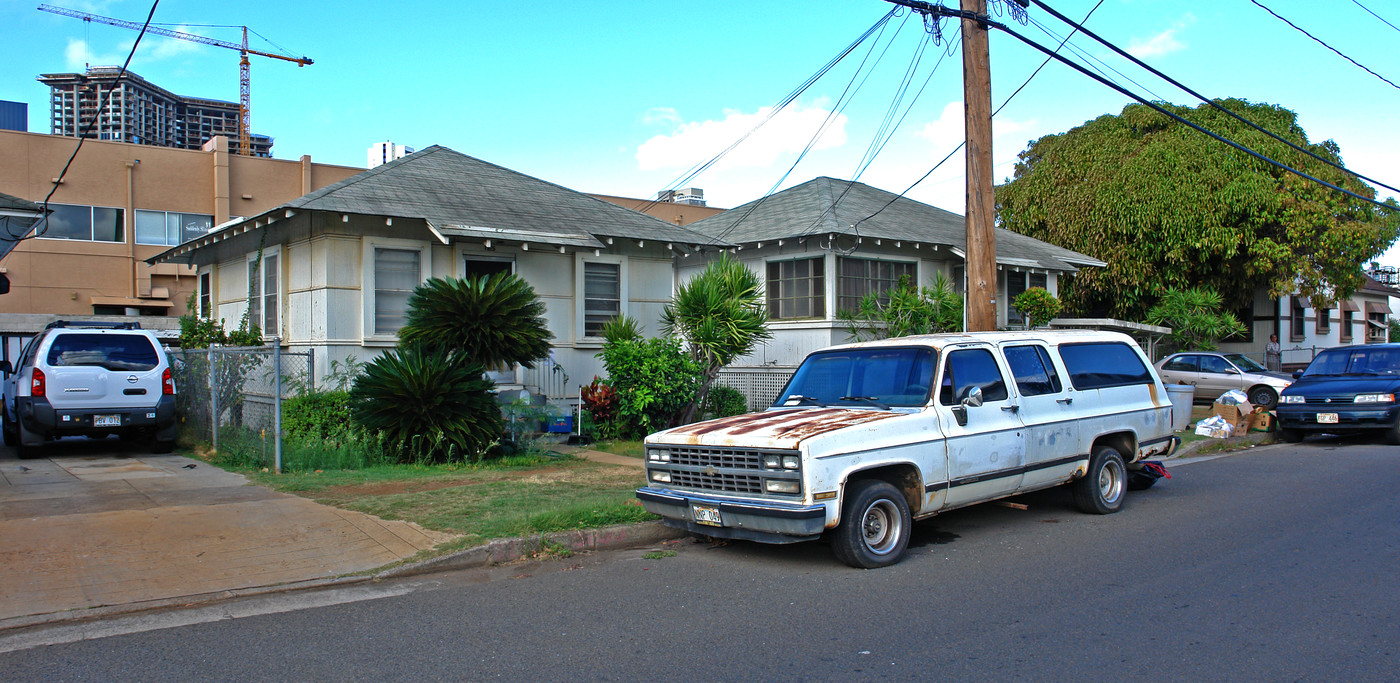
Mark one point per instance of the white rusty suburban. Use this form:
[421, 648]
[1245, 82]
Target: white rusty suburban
[868, 437]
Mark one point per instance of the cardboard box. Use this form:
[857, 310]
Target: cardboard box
[1261, 420]
[1236, 415]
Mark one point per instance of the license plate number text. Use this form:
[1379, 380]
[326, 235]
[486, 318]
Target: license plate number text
[705, 515]
[1327, 418]
[106, 420]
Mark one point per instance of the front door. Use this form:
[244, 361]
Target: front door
[985, 455]
[1046, 407]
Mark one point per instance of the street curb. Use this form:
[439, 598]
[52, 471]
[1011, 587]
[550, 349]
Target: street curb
[496, 552]
[509, 549]
[1229, 445]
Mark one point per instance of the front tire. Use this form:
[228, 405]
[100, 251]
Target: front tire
[1263, 396]
[875, 525]
[1101, 490]
[1392, 435]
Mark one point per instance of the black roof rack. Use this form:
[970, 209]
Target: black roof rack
[98, 324]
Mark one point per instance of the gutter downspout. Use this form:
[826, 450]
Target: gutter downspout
[129, 224]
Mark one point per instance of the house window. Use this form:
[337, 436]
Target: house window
[960, 279]
[1377, 325]
[796, 289]
[1348, 319]
[858, 277]
[206, 295]
[1017, 283]
[602, 295]
[475, 267]
[170, 228]
[396, 273]
[87, 223]
[1324, 321]
[265, 298]
[1296, 321]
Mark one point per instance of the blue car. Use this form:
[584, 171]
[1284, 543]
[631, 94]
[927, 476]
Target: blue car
[1346, 390]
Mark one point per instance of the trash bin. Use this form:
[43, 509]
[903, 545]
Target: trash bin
[1181, 396]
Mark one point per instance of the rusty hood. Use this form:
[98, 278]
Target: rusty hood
[771, 429]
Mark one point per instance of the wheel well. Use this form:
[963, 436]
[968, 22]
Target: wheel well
[1265, 386]
[904, 477]
[1125, 442]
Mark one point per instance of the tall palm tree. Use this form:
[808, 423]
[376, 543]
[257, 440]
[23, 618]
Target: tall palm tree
[720, 315]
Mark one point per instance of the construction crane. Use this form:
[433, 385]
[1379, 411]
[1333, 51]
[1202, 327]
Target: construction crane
[244, 134]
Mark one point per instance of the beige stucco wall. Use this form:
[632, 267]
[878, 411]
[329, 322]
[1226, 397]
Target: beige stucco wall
[63, 276]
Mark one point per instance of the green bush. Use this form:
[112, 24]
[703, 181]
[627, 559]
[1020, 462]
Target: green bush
[654, 381]
[1038, 305]
[318, 415]
[495, 321]
[723, 401]
[431, 405]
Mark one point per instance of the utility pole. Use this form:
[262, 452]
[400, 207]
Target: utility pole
[981, 253]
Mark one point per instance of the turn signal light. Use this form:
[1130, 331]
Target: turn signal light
[167, 383]
[37, 386]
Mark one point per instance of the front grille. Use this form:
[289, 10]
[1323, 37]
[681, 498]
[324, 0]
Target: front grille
[732, 483]
[734, 458]
[1325, 401]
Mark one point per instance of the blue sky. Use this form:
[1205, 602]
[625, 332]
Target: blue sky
[622, 97]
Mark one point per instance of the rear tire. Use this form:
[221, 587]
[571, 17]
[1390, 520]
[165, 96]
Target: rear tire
[1101, 490]
[875, 525]
[1291, 435]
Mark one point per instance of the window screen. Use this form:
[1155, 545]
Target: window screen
[396, 273]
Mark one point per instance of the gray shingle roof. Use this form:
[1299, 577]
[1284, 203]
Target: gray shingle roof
[452, 190]
[807, 209]
[16, 204]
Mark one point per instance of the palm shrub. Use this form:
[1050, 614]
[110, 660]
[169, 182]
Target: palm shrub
[721, 316]
[494, 321]
[1195, 317]
[905, 310]
[434, 404]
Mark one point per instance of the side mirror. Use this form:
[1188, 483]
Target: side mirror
[6, 368]
[1232, 371]
[973, 398]
[1297, 374]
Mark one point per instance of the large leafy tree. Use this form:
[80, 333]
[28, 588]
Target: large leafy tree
[720, 315]
[1167, 207]
[493, 320]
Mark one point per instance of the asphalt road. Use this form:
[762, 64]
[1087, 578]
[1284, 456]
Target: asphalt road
[1275, 564]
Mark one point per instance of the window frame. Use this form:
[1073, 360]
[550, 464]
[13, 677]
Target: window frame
[279, 297]
[1055, 385]
[581, 294]
[1324, 321]
[205, 303]
[1297, 321]
[912, 264]
[946, 371]
[165, 222]
[1075, 377]
[91, 224]
[817, 295]
[368, 291]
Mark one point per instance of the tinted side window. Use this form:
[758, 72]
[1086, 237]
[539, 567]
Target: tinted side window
[970, 368]
[1097, 365]
[110, 351]
[1215, 364]
[1181, 364]
[1032, 370]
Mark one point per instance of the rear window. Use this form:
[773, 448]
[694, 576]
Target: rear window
[110, 351]
[1099, 365]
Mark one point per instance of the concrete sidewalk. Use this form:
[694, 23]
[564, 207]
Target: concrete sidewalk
[101, 524]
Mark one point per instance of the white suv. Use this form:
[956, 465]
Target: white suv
[93, 379]
[868, 437]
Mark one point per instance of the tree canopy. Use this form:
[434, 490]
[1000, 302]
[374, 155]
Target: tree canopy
[1170, 208]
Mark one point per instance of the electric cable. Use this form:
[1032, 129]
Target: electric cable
[1324, 44]
[1368, 11]
[1203, 98]
[82, 135]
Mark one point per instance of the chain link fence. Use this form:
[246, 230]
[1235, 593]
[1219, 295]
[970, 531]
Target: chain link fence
[233, 395]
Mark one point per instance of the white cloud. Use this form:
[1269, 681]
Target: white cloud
[786, 134]
[153, 48]
[1163, 43]
[946, 131]
[661, 115]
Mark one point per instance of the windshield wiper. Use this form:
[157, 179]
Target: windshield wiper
[869, 400]
[801, 400]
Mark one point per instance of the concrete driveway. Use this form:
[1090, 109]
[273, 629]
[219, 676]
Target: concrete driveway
[102, 523]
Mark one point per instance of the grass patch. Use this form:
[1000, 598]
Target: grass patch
[658, 554]
[634, 449]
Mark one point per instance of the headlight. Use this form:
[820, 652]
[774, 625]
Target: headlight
[663, 477]
[1292, 399]
[790, 462]
[782, 486]
[658, 455]
[772, 461]
[1375, 398]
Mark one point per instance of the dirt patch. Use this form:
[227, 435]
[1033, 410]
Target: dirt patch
[389, 488]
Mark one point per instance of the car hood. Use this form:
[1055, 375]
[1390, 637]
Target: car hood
[1339, 385]
[782, 429]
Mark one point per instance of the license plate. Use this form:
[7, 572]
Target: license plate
[106, 420]
[1327, 418]
[705, 515]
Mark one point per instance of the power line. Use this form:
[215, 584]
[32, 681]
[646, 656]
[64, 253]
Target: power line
[1159, 109]
[1203, 98]
[82, 135]
[1368, 11]
[1320, 42]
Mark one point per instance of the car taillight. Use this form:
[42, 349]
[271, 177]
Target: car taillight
[36, 383]
[167, 383]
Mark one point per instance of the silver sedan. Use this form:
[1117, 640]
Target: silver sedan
[1215, 373]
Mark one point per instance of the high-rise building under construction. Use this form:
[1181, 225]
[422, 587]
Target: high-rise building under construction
[140, 112]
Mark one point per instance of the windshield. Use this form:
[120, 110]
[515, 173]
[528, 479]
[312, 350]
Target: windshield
[1245, 363]
[881, 378]
[1355, 362]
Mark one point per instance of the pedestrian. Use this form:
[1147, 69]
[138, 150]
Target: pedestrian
[1273, 354]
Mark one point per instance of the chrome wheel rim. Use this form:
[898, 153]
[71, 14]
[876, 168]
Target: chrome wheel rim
[1111, 482]
[881, 526]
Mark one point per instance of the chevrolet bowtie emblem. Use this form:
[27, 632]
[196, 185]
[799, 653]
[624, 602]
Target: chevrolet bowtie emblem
[710, 471]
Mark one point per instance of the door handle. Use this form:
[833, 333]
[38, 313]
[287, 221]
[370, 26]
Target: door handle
[1066, 400]
[1011, 408]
